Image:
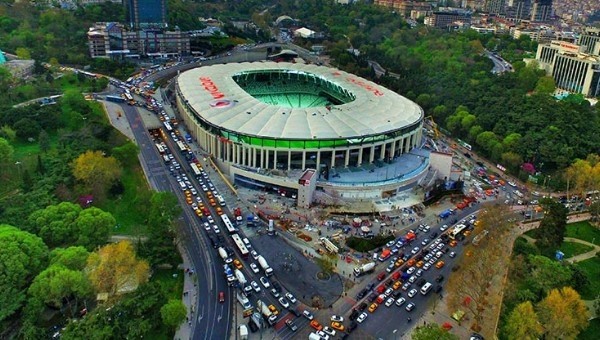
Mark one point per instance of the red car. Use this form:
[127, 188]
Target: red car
[221, 297]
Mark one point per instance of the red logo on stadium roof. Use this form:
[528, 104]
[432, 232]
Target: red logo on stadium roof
[221, 103]
[209, 86]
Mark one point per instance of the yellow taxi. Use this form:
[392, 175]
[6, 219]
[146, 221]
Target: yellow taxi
[373, 307]
[198, 212]
[397, 285]
[188, 200]
[238, 264]
[273, 309]
[440, 264]
[219, 211]
[420, 264]
[399, 263]
[338, 326]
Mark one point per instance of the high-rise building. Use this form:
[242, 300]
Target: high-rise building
[518, 10]
[572, 70]
[143, 14]
[541, 10]
[589, 40]
[494, 6]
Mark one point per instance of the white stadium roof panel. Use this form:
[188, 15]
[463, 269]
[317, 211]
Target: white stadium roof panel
[375, 109]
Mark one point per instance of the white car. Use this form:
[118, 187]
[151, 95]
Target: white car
[337, 318]
[206, 226]
[419, 272]
[412, 279]
[388, 292]
[411, 270]
[216, 229]
[410, 307]
[210, 219]
[412, 293]
[362, 317]
[265, 282]
[415, 250]
[254, 254]
[307, 314]
[426, 266]
[444, 227]
[323, 335]
[283, 302]
[254, 268]
[291, 297]
[389, 302]
[329, 331]
[255, 286]
[452, 254]
[400, 301]
[512, 184]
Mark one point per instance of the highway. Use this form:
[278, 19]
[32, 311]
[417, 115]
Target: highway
[212, 319]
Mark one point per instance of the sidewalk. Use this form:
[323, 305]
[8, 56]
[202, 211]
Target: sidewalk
[185, 330]
[584, 256]
[120, 123]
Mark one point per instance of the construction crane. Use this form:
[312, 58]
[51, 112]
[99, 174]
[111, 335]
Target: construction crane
[434, 132]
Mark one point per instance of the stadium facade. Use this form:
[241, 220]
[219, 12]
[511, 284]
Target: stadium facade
[266, 122]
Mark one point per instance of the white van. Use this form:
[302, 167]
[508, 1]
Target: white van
[221, 200]
[426, 288]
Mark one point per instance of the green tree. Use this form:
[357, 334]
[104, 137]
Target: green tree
[94, 226]
[74, 258]
[546, 274]
[23, 53]
[173, 313]
[27, 128]
[56, 223]
[44, 141]
[553, 226]
[58, 285]
[563, 314]
[545, 85]
[22, 256]
[126, 154]
[160, 247]
[6, 154]
[523, 323]
[8, 133]
[432, 331]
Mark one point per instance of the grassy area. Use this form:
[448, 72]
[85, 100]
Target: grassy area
[591, 267]
[571, 249]
[584, 231]
[591, 332]
[128, 208]
[171, 280]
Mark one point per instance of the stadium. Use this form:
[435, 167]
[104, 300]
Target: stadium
[264, 123]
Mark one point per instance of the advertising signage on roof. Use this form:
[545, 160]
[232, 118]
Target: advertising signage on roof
[211, 88]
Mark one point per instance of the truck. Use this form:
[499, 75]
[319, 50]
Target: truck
[408, 238]
[265, 266]
[364, 269]
[243, 300]
[243, 332]
[229, 274]
[271, 227]
[332, 248]
[240, 277]
[237, 212]
[224, 255]
[264, 309]
[385, 254]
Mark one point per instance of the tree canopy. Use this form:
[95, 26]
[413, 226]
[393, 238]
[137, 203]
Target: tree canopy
[432, 331]
[562, 314]
[96, 171]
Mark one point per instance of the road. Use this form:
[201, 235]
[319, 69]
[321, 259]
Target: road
[500, 65]
[209, 312]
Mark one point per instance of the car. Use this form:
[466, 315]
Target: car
[273, 309]
[373, 307]
[362, 317]
[206, 226]
[354, 314]
[390, 267]
[361, 294]
[221, 297]
[362, 306]
[337, 318]
[439, 254]
[426, 266]
[372, 297]
[352, 326]
[412, 293]
[275, 293]
[476, 336]
[410, 307]
[238, 264]
[254, 254]
[283, 302]
[329, 331]
[512, 184]
[316, 325]
[397, 285]
[411, 270]
[390, 244]
[276, 286]
[437, 289]
[433, 235]
[439, 264]
[248, 289]
[400, 301]
[255, 286]
[254, 268]
[399, 263]
[406, 285]
[307, 314]
[415, 250]
[265, 282]
[419, 272]
[389, 302]
[388, 292]
[323, 335]
[444, 227]
[421, 282]
[424, 242]
[291, 297]
[452, 254]
[216, 229]
[291, 325]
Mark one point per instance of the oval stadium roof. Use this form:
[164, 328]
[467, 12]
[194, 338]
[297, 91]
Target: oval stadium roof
[375, 110]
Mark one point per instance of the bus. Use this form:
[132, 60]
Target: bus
[457, 230]
[195, 170]
[160, 148]
[228, 225]
[129, 98]
[168, 126]
[240, 245]
[182, 147]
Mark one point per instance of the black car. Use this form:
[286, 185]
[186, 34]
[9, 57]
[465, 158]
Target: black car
[421, 282]
[362, 294]
[396, 294]
[276, 286]
[355, 313]
[370, 286]
[389, 282]
[253, 327]
[440, 278]
[352, 326]
[437, 289]
[372, 297]
[363, 306]
[434, 234]
[294, 311]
